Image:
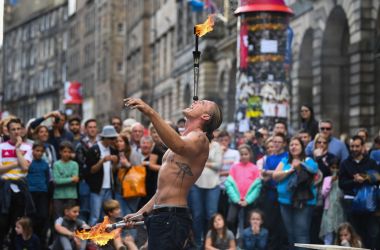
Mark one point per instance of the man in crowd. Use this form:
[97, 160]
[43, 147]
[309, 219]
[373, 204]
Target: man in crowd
[57, 133]
[269, 203]
[304, 136]
[137, 132]
[336, 147]
[100, 160]
[74, 127]
[355, 172]
[15, 199]
[90, 139]
[116, 122]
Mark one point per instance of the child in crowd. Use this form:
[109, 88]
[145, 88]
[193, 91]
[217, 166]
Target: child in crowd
[219, 237]
[333, 214]
[38, 180]
[243, 186]
[112, 210]
[255, 237]
[66, 177]
[66, 226]
[26, 239]
[347, 236]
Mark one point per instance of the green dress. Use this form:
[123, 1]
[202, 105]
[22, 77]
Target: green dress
[333, 215]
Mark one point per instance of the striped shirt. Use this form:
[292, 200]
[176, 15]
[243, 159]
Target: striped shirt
[8, 156]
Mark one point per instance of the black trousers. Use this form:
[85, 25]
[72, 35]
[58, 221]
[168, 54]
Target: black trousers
[41, 216]
[169, 231]
[365, 224]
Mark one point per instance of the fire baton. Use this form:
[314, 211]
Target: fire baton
[122, 223]
[200, 30]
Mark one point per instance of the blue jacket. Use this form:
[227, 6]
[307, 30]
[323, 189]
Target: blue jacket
[284, 196]
[38, 176]
[255, 241]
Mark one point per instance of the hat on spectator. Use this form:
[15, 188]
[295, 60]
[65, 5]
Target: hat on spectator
[108, 131]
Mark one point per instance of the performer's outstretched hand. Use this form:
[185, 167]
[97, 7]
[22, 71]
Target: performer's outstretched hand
[139, 104]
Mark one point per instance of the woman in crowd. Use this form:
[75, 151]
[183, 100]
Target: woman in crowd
[296, 192]
[308, 121]
[324, 160]
[127, 159]
[204, 194]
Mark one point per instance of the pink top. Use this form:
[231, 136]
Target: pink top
[326, 188]
[244, 175]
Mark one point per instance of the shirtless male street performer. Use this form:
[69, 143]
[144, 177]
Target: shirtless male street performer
[169, 221]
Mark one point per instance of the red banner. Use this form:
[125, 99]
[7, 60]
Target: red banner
[73, 93]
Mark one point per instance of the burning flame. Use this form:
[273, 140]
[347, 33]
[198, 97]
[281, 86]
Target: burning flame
[98, 233]
[204, 28]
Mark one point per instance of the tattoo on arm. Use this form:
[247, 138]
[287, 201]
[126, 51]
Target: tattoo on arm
[183, 169]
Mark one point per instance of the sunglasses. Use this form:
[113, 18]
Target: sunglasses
[321, 142]
[325, 128]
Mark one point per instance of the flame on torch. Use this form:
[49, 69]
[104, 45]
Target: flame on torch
[203, 28]
[98, 233]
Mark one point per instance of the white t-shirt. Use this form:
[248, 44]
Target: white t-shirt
[230, 157]
[8, 156]
[104, 151]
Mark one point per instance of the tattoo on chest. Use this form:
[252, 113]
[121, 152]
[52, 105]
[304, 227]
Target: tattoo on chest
[183, 170]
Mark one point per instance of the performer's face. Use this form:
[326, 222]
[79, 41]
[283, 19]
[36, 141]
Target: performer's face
[198, 108]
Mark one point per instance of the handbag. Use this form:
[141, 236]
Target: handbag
[132, 181]
[365, 200]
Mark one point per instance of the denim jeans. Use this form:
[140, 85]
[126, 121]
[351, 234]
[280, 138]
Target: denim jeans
[128, 206]
[65, 243]
[297, 223]
[168, 231]
[203, 204]
[97, 203]
[84, 200]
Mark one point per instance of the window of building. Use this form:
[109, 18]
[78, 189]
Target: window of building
[53, 18]
[119, 67]
[51, 47]
[120, 27]
[189, 26]
[180, 25]
[64, 41]
[64, 72]
[46, 22]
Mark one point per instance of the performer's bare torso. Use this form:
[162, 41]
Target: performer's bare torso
[178, 173]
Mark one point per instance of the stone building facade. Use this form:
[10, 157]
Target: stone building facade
[335, 67]
[34, 57]
[96, 36]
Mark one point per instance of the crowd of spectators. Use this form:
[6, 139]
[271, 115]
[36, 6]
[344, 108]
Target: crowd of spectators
[58, 175]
